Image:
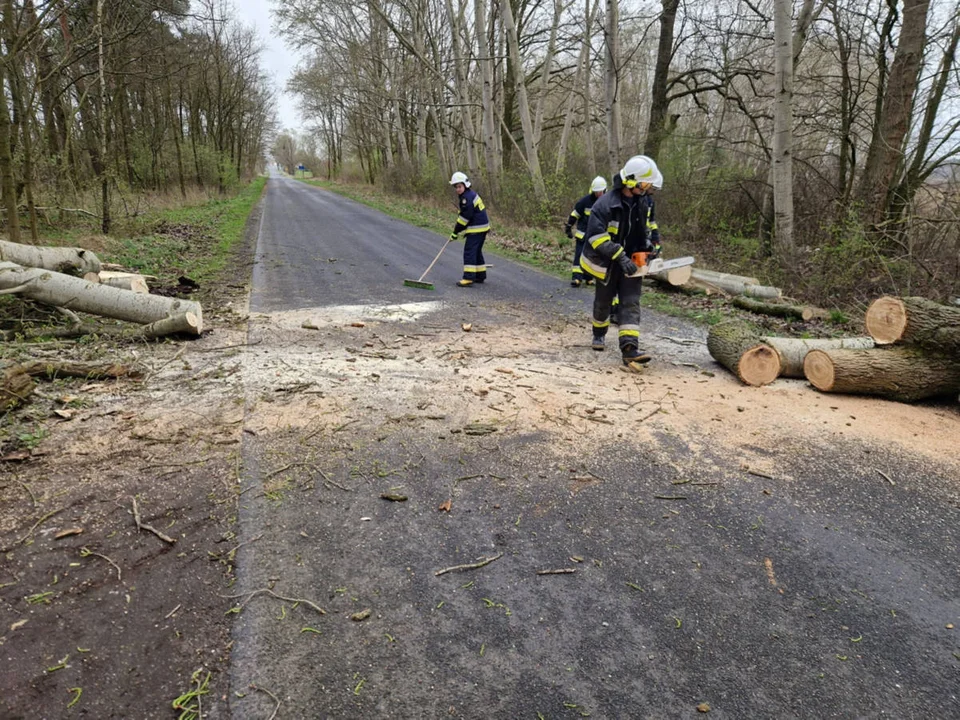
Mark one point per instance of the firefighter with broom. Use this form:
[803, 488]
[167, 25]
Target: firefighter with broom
[617, 230]
[579, 217]
[472, 222]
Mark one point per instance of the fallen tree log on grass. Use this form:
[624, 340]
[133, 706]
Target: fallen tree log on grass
[677, 277]
[914, 321]
[898, 373]
[59, 259]
[736, 285]
[73, 293]
[743, 352]
[127, 281]
[793, 351]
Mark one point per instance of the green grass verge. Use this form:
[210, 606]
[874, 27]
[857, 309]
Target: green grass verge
[194, 240]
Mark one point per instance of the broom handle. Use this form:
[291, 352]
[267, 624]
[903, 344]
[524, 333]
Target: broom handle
[434, 261]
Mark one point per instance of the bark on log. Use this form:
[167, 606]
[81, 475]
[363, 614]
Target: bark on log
[914, 321]
[735, 285]
[66, 368]
[897, 373]
[15, 387]
[676, 277]
[126, 281]
[793, 312]
[183, 323]
[793, 351]
[78, 294]
[60, 259]
[712, 276]
[742, 350]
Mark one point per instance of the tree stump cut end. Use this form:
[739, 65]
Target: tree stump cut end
[886, 320]
[760, 365]
[818, 367]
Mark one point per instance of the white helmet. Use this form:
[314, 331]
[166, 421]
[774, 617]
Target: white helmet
[599, 184]
[459, 177]
[657, 180]
[638, 169]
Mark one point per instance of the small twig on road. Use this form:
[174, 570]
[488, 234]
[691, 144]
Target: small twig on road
[151, 528]
[471, 566]
[760, 474]
[231, 553]
[285, 467]
[326, 479]
[341, 427]
[561, 571]
[85, 551]
[171, 613]
[276, 709]
[886, 477]
[34, 527]
[267, 591]
[670, 497]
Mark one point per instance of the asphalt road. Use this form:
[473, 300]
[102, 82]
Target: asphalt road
[828, 596]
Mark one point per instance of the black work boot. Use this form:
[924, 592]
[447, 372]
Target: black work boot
[633, 354]
[597, 343]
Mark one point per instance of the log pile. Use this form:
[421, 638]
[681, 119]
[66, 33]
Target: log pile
[912, 353]
[73, 279]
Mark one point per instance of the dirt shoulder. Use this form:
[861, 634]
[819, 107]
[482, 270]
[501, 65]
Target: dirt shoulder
[98, 619]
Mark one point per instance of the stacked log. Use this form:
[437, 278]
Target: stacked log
[918, 353]
[73, 293]
[75, 261]
[903, 373]
[737, 284]
[128, 281]
[742, 350]
[793, 351]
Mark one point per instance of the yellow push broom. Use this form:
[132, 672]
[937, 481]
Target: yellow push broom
[420, 283]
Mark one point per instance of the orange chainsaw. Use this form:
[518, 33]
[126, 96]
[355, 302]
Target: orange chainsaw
[648, 267]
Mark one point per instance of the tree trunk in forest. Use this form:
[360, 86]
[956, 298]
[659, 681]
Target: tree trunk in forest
[885, 155]
[659, 103]
[782, 171]
[6, 159]
[590, 11]
[104, 175]
[743, 352]
[793, 351]
[905, 374]
[523, 105]
[545, 73]
[73, 293]
[915, 321]
[489, 124]
[611, 85]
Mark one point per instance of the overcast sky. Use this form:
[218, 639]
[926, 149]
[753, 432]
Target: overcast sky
[277, 60]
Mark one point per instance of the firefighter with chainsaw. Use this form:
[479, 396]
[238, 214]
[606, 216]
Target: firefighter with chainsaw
[473, 224]
[616, 243]
[579, 217]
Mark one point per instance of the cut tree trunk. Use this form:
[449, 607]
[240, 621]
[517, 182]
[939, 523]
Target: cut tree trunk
[736, 285]
[60, 259]
[712, 275]
[676, 277]
[793, 351]
[65, 368]
[896, 373]
[914, 321]
[784, 310]
[743, 352]
[77, 294]
[127, 281]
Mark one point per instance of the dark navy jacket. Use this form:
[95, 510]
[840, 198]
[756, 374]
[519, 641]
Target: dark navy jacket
[473, 214]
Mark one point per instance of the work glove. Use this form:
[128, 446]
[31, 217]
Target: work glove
[569, 231]
[626, 264]
[454, 236]
[655, 251]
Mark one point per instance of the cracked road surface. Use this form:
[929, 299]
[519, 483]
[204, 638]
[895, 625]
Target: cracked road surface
[662, 540]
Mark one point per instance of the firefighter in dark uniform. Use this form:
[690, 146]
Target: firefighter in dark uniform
[618, 228]
[474, 225]
[579, 217]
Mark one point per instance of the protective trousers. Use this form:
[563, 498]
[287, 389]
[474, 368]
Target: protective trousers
[576, 269]
[628, 288]
[474, 267]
